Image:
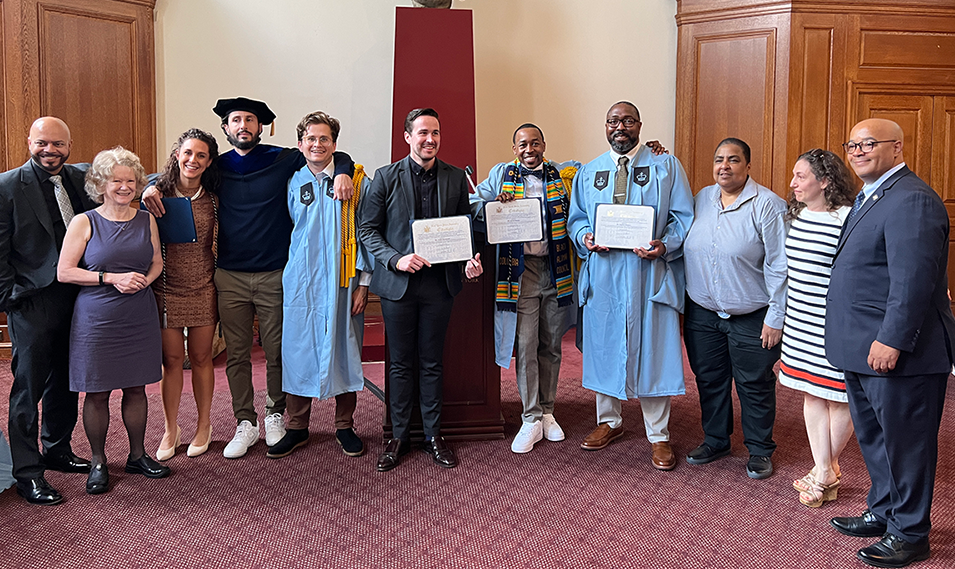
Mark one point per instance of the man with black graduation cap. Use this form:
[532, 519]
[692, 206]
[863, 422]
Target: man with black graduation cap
[254, 233]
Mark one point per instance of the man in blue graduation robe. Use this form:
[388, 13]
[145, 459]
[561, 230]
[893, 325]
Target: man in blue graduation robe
[325, 289]
[632, 298]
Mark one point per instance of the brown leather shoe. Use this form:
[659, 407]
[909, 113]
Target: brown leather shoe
[601, 437]
[663, 457]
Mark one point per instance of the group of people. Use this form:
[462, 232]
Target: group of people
[849, 290]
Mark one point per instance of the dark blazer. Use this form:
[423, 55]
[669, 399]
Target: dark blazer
[28, 251]
[385, 221]
[890, 281]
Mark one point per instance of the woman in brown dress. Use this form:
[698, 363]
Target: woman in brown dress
[185, 291]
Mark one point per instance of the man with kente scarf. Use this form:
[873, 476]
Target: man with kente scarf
[632, 299]
[534, 282]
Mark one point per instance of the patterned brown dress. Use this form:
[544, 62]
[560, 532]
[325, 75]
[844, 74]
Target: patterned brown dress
[186, 284]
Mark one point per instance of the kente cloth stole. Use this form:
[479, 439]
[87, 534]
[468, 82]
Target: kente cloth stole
[349, 231]
[511, 255]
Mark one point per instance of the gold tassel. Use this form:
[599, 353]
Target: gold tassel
[349, 231]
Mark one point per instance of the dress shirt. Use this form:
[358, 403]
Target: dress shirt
[425, 191]
[534, 188]
[49, 198]
[869, 189]
[736, 257]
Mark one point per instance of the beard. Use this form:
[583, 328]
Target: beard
[243, 144]
[622, 146]
[38, 160]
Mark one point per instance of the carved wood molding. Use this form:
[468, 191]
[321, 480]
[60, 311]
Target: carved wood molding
[698, 11]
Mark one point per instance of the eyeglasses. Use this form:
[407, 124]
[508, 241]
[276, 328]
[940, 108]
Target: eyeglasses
[866, 146]
[627, 122]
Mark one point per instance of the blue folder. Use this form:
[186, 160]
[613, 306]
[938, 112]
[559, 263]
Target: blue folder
[177, 225]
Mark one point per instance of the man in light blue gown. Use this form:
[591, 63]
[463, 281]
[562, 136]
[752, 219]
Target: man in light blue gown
[632, 298]
[325, 289]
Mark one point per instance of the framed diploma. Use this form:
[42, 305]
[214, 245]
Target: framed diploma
[516, 221]
[623, 226]
[443, 239]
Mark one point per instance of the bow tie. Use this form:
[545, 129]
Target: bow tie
[538, 173]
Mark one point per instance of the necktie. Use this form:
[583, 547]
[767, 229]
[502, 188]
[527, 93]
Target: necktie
[62, 200]
[620, 181]
[323, 183]
[856, 206]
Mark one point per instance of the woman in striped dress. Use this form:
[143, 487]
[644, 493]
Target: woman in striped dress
[820, 201]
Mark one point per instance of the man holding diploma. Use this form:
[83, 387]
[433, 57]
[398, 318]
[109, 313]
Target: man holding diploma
[632, 298]
[534, 282]
[416, 297]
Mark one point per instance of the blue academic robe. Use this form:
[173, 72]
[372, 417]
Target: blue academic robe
[505, 322]
[321, 340]
[631, 325]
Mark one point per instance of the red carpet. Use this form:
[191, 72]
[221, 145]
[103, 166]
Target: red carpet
[556, 507]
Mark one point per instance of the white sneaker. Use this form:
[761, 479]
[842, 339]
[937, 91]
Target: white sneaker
[246, 435]
[529, 434]
[552, 430]
[274, 429]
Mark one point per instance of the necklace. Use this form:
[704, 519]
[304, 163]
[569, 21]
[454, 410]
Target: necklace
[194, 197]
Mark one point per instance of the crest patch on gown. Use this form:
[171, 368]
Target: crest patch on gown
[600, 180]
[329, 190]
[641, 175]
[306, 195]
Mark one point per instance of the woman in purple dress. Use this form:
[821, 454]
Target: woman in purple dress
[113, 252]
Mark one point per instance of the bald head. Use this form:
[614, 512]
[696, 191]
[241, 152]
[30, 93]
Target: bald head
[49, 143]
[886, 138]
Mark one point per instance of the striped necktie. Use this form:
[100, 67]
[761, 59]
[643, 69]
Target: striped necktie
[620, 181]
[62, 200]
[856, 206]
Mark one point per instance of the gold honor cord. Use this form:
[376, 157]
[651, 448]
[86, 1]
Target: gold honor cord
[349, 231]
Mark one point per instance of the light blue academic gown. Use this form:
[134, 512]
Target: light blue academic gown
[505, 322]
[321, 340]
[631, 333]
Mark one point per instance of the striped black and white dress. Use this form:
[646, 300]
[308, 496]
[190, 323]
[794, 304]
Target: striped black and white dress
[810, 247]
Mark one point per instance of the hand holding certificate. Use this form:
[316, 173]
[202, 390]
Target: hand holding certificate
[623, 226]
[515, 221]
[442, 239]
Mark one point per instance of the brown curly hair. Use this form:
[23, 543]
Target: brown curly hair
[825, 166]
[169, 177]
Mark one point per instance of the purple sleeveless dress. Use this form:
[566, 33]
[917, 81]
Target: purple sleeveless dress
[115, 340]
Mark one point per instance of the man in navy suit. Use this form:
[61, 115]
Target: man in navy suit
[416, 297]
[889, 325]
[37, 202]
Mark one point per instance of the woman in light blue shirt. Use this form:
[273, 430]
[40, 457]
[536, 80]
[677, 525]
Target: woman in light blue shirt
[735, 306]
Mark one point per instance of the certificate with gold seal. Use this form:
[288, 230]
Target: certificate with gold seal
[443, 239]
[623, 226]
[516, 221]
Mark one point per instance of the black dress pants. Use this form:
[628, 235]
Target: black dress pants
[416, 326]
[896, 421]
[40, 331]
[721, 351]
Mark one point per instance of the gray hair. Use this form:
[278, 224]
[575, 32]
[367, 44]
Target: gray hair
[101, 170]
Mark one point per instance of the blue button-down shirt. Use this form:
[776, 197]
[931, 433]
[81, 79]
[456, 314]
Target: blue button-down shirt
[736, 256]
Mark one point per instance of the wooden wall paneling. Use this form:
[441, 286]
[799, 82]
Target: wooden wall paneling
[817, 80]
[914, 113]
[914, 50]
[943, 152]
[90, 62]
[3, 99]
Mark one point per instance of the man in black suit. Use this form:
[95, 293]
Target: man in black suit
[37, 202]
[889, 325]
[416, 298]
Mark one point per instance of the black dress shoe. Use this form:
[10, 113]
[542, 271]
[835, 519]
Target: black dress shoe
[866, 525]
[98, 480]
[38, 491]
[293, 439]
[705, 454]
[440, 452]
[147, 467]
[66, 462]
[391, 457]
[893, 551]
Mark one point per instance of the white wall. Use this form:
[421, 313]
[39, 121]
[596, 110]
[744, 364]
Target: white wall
[558, 63]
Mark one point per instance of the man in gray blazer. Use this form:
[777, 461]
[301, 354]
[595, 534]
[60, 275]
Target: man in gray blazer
[416, 297]
[889, 325]
[37, 202]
